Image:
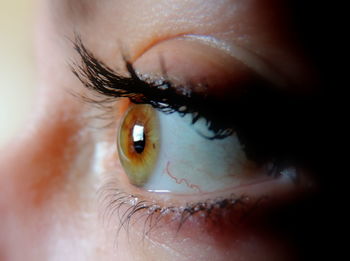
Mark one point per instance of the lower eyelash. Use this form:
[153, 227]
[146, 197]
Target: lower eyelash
[129, 209]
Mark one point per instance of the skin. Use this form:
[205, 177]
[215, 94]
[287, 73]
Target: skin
[49, 208]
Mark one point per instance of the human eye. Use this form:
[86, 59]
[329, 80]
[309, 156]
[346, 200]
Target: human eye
[191, 157]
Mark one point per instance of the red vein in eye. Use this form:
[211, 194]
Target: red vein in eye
[182, 180]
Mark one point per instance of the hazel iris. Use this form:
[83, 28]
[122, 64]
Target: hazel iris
[138, 143]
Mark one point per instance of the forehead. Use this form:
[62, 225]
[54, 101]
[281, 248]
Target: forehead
[112, 27]
[139, 24]
[142, 18]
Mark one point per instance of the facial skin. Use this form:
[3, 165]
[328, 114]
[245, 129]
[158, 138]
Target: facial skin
[50, 175]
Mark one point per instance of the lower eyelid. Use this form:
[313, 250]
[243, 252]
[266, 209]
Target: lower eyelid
[130, 211]
[209, 220]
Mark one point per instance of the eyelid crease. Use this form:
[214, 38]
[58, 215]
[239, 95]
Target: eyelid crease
[248, 58]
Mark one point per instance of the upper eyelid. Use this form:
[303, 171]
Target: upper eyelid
[248, 58]
[244, 117]
[98, 77]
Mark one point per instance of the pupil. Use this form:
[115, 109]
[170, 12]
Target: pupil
[139, 138]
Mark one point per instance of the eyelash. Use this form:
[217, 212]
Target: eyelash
[162, 95]
[211, 211]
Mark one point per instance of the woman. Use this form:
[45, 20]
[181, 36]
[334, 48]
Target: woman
[171, 130]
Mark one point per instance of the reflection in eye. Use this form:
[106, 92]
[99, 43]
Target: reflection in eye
[161, 152]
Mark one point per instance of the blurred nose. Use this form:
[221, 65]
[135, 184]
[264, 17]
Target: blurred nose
[33, 167]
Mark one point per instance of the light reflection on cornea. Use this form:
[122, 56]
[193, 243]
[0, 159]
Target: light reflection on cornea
[159, 190]
[138, 133]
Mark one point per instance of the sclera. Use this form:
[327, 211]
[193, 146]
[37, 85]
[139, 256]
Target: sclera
[191, 163]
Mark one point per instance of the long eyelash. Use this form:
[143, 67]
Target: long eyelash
[129, 209]
[162, 95]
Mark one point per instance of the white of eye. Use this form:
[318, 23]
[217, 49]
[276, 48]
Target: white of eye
[190, 163]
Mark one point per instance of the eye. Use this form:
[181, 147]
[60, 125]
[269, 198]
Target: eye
[180, 140]
[168, 153]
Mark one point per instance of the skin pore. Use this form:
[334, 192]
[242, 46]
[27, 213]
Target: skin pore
[51, 175]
